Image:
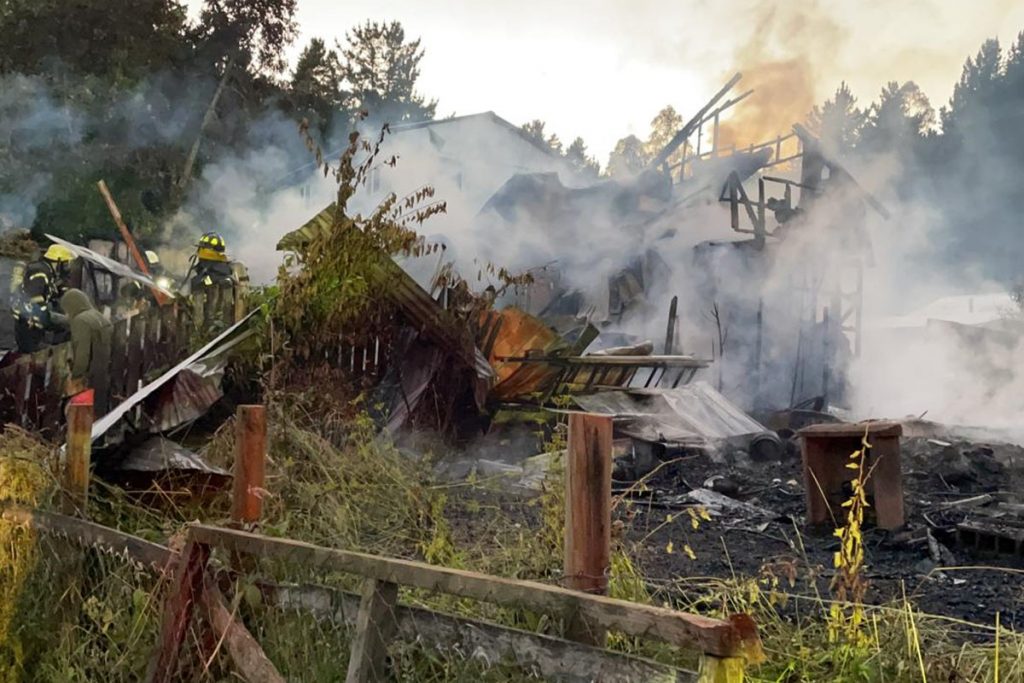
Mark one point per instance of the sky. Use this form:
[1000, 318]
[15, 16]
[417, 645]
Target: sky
[602, 69]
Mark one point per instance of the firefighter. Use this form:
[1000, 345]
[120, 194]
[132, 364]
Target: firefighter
[157, 273]
[37, 288]
[133, 295]
[210, 266]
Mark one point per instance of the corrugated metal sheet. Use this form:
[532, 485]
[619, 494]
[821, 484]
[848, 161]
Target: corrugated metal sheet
[163, 455]
[195, 389]
[692, 414]
[192, 392]
[225, 340]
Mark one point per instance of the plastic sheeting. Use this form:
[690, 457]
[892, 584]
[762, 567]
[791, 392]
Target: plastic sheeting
[163, 455]
[691, 414]
[110, 265]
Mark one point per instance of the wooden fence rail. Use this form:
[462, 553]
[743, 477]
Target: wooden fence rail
[723, 644]
[552, 657]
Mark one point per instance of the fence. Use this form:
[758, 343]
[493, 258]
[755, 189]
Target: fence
[275, 607]
[371, 625]
[33, 386]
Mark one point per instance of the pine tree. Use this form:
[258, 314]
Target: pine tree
[838, 122]
[977, 90]
[316, 84]
[535, 131]
[381, 69]
[899, 120]
[555, 144]
[577, 155]
[1013, 72]
[248, 31]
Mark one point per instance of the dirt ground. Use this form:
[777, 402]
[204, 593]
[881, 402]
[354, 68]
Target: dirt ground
[936, 472]
[896, 562]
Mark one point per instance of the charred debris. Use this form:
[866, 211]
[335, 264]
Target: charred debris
[722, 361]
[437, 355]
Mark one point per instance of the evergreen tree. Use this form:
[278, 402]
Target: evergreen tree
[899, 121]
[628, 158]
[316, 84]
[116, 39]
[122, 90]
[535, 131]
[1013, 72]
[838, 121]
[380, 70]
[577, 155]
[555, 144]
[248, 32]
[978, 89]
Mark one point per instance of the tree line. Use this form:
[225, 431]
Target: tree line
[135, 92]
[957, 169]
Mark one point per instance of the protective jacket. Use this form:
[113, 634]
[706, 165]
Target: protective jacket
[35, 292]
[212, 273]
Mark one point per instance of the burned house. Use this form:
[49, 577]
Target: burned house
[720, 265]
[466, 159]
[767, 286]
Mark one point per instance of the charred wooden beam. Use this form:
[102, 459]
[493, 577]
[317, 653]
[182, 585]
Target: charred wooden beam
[691, 125]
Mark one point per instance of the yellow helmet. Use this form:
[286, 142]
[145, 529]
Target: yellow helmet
[211, 247]
[59, 253]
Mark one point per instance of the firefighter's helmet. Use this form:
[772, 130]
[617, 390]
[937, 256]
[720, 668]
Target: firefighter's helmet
[152, 258]
[211, 247]
[59, 254]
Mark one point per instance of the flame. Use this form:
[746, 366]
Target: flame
[789, 46]
[783, 94]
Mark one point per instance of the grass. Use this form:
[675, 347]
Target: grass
[331, 481]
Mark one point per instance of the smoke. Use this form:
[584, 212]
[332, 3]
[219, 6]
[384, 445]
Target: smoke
[32, 123]
[70, 127]
[255, 195]
[760, 313]
[790, 47]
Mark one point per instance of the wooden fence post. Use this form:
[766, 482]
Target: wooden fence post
[79, 452]
[250, 453]
[375, 626]
[588, 492]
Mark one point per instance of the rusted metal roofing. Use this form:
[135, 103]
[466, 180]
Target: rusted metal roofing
[225, 340]
[195, 389]
[519, 334]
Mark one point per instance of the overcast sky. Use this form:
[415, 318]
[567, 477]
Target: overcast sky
[602, 69]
